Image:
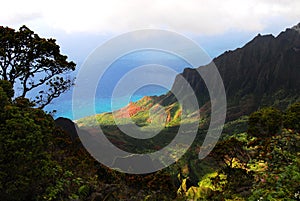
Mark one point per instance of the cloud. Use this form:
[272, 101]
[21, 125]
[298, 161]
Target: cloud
[206, 17]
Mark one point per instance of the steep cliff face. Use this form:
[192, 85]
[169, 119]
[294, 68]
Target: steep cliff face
[264, 65]
[265, 70]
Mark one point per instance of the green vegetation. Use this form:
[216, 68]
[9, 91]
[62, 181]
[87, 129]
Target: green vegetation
[24, 141]
[39, 161]
[36, 158]
[262, 164]
[257, 157]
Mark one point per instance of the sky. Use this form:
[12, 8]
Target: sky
[217, 26]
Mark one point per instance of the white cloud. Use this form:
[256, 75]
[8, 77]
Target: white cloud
[111, 16]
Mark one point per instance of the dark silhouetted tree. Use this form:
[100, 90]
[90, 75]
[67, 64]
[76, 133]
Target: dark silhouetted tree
[31, 63]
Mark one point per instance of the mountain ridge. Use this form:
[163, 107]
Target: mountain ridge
[266, 66]
[264, 72]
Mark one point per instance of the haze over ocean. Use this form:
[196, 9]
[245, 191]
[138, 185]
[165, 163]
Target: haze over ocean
[63, 104]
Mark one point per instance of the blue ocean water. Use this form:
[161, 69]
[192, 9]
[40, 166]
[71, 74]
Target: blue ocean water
[63, 104]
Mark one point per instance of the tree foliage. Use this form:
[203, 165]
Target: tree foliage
[39, 161]
[25, 164]
[262, 164]
[292, 117]
[265, 122]
[279, 179]
[32, 63]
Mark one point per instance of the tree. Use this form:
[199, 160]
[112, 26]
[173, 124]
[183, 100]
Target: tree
[265, 123]
[25, 164]
[275, 153]
[38, 160]
[233, 159]
[34, 64]
[292, 117]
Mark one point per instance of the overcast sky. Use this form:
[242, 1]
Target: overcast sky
[79, 26]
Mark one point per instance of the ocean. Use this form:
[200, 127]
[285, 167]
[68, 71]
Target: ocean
[63, 104]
